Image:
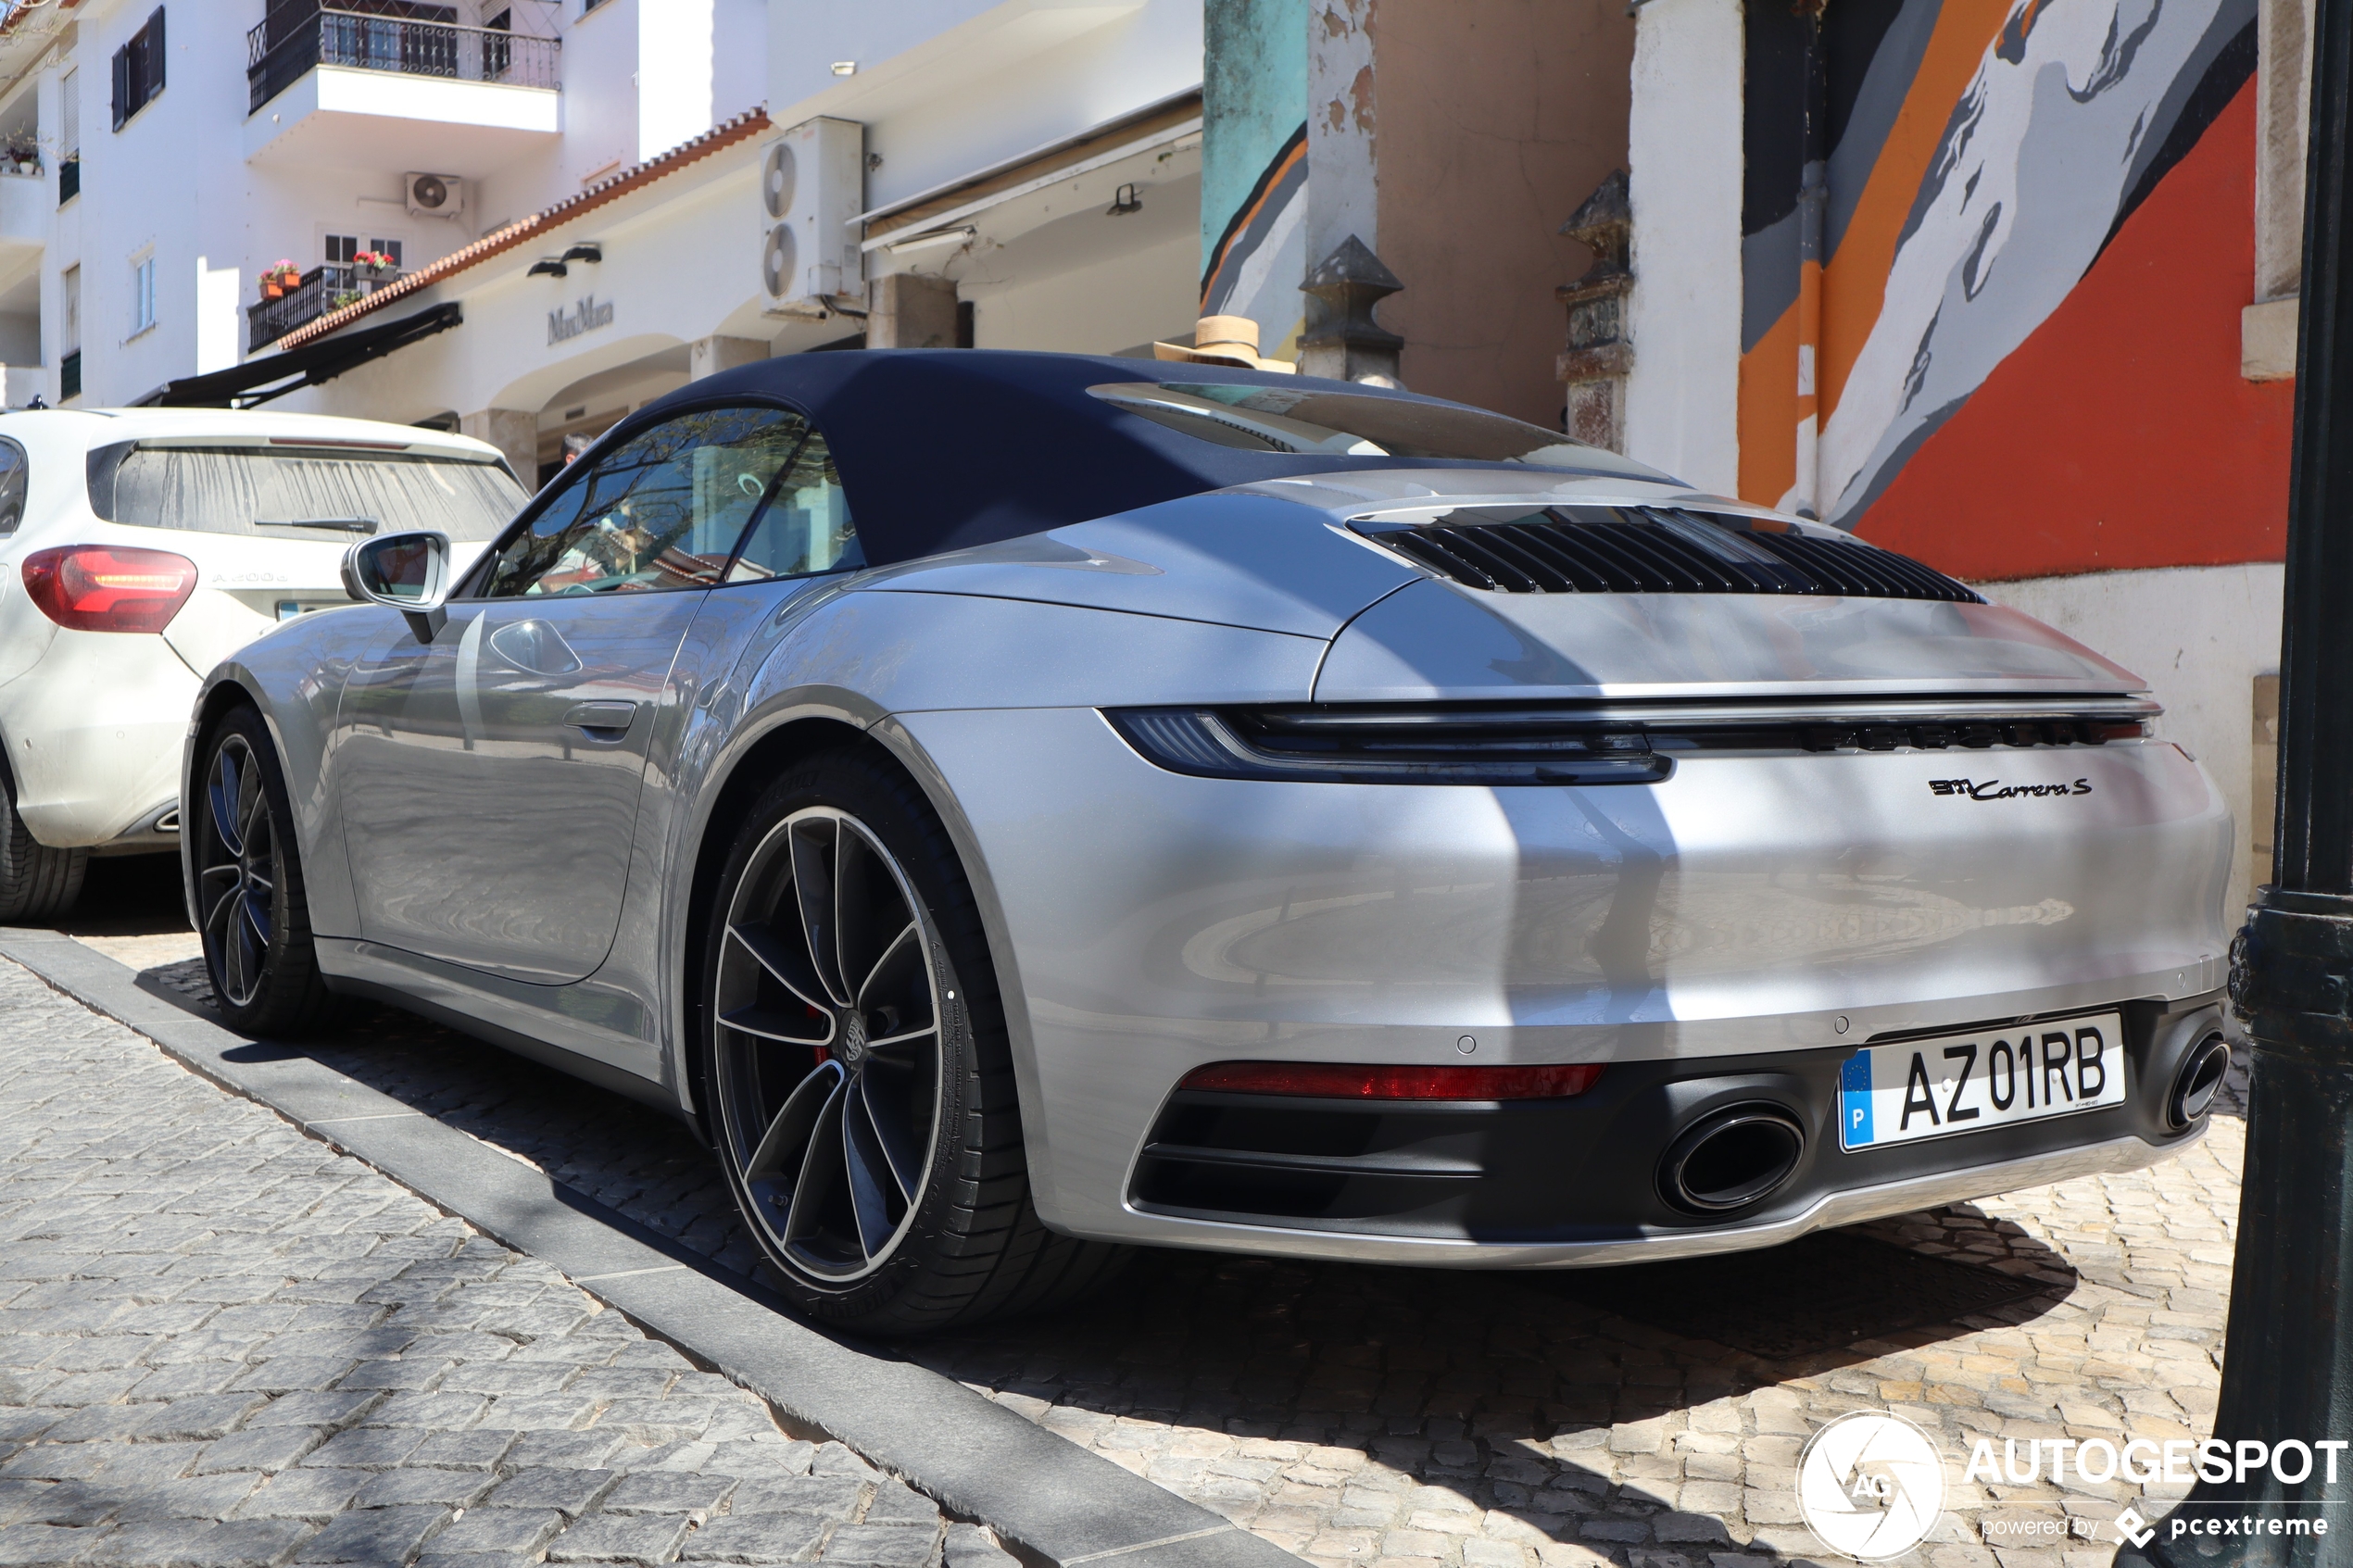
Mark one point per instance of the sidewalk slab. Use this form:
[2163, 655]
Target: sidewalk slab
[1056, 1502]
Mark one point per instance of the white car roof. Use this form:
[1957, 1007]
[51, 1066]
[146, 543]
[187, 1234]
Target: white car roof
[104, 427]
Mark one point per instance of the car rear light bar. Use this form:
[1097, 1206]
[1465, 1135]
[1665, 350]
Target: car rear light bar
[108, 587]
[1461, 745]
[1321, 1080]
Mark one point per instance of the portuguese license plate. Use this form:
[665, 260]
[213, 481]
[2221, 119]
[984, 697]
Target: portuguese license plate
[1966, 1083]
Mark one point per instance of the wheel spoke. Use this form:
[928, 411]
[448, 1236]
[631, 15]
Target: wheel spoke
[214, 890]
[869, 1170]
[257, 912]
[785, 1143]
[776, 958]
[767, 1023]
[222, 796]
[815, 851]
[884, 1108]
[907, 934]
[820, 1170]
[888, 1042]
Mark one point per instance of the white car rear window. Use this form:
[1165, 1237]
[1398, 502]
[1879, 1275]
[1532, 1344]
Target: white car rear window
[314, 494]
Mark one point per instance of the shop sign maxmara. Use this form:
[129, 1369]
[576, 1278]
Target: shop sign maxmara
[585, 316]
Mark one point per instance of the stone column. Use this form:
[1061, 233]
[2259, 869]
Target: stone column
[514, 433]
[1598, 357]
[1342, 342]
[709, 356]
[909, 310]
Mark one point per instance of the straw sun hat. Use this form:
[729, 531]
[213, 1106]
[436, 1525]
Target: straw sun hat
[1222, 340]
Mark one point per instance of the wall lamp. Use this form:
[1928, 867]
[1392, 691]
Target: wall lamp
[546, 267]
[587, 250]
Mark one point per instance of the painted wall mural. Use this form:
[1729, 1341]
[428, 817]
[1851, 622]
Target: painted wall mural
[1994, 252]
[1253, 199]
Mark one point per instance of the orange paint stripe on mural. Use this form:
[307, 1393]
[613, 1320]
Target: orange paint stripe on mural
[1768, 413]
[1855, 284]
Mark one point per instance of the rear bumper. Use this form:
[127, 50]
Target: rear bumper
[93, 733]
[1561, 1182]
[1751, 915]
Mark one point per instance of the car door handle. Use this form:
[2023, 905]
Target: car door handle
[602, 720]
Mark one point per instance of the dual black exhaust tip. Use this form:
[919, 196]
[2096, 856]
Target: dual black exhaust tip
[1743, 1154]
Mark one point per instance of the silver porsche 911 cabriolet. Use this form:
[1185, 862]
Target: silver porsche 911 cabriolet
[1016, 806]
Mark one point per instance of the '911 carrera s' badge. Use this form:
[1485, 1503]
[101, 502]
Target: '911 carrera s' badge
[1995, 789]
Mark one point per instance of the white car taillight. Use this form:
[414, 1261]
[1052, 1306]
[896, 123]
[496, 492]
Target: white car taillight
[104, 588]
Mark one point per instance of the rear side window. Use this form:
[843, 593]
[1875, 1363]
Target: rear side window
[315, 494]
[12, 476]
[805, 528]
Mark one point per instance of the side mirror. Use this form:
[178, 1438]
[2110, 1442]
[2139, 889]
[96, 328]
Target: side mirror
[407, 572]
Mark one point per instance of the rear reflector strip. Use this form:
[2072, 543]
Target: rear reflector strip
[1321, 1080]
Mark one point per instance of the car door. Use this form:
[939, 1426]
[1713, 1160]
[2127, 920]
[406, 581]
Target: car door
[488, 781]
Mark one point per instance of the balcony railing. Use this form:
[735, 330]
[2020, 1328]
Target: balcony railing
[297, 37]
[319, 291]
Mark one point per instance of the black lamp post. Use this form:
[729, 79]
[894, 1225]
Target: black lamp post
[2287, 1373]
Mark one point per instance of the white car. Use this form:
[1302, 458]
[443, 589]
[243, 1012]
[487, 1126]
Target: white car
[139, 547]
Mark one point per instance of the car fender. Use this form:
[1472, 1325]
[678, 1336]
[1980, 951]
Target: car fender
[294, 675]
[835, 654]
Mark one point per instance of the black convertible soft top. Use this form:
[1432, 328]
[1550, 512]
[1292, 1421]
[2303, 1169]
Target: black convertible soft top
[941, 450]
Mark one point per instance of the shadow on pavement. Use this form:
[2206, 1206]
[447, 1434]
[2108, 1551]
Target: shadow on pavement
[1537, 1395]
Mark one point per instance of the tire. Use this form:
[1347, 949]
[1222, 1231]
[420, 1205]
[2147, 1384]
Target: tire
[37, 883]
[857, 1084]
[253, 917]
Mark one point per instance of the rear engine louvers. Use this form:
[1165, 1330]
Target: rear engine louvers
[1654, 550]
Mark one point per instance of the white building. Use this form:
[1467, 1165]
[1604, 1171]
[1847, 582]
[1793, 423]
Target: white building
[572, 195]
[185, 149]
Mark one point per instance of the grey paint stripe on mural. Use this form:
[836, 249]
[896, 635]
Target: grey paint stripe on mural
[1887, 82]
[1769, 278]
[1054, 1501]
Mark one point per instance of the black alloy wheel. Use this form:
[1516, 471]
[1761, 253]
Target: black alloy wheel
[856, 1080]
[251, 915]
[828, 1008]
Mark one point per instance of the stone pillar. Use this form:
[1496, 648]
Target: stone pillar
[709, 356]
[909, 310]
[1598, 357]
[514, 433]
[1342, 342]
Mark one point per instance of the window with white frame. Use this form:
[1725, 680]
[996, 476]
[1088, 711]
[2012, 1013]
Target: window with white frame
[70, 116]
[69, 316]
[142, 292]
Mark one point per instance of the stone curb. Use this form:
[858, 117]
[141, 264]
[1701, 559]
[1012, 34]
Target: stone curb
[1054, 1501]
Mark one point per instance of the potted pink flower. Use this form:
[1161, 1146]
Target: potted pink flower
[276, 279]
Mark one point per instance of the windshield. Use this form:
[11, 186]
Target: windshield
[325, 496]
[1321, 421]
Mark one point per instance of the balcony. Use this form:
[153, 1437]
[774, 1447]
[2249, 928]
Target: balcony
[323, 289]
[352, 88]
[25, 214]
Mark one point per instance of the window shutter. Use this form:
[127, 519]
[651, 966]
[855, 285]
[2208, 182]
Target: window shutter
[154, 52]
[121, 85]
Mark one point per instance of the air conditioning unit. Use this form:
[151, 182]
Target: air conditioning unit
[433, 195]
[811, 182]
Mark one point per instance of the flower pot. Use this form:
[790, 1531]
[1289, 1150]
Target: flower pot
[270, 289]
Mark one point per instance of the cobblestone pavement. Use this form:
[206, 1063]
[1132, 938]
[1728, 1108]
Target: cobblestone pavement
[223, 1343]
[1400, 1418]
